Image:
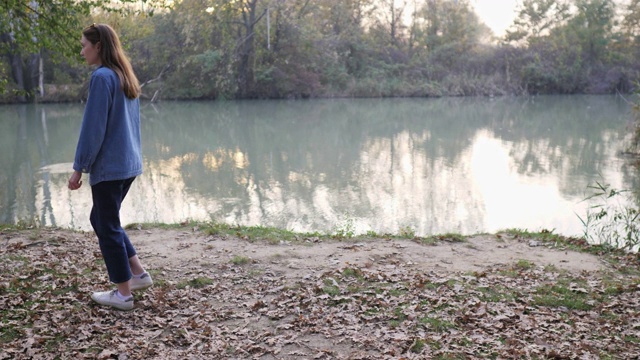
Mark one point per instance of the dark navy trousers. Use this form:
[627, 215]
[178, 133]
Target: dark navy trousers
[105, 218]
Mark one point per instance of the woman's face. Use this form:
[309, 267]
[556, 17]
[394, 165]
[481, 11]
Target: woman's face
[90, 52]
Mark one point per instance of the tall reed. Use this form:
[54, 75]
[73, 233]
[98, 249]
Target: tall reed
[613, 219]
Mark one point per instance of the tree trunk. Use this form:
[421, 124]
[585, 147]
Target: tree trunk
[35, 86]
[17, 71]
[246, 52]
[34, 71]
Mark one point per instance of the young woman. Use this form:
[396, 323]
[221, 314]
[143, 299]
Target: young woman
[109, 150]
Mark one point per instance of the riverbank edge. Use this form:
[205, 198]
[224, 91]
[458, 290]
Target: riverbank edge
[276, 236]
[75, 93]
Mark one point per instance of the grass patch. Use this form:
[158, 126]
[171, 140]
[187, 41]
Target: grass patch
[331, 290]
[399, 315]
[560, 295]
[253, 233]
[435, 345]
[452, 237]
[524, 265]
[496, 294]
[353, 273]
[331, 287]
[542, 235]
[509, 272]
[14, 258]
[437, 325]
[157, 279]
[579, 244]
[632, 339]
[196, 283]
[448, 237]
[417, 346]
[551, 269]
[9, 333]
[255, 272]
[240, 260]
[614, 287]
[26, 225]
[54, 343]
[431, 241]
[397, 292]
[164, 226]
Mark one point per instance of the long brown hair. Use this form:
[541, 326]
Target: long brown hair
[112, 56]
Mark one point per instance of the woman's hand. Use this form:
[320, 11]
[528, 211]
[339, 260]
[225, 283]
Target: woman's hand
[74, 180]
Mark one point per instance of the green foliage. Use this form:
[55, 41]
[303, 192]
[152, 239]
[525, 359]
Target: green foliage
[571, 45]
[216, 49]
[631, 20]
[613, 220]
[446, 23]
[536, 18]
[407, 232]
[553, 70]
[33, 28]
[346, 229]
[593, 25]
[29, 26]
[4, 76]
[543, 235]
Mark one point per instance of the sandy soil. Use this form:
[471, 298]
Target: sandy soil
[168, 250]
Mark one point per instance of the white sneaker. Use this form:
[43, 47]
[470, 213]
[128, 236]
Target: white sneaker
[141, 283]
[110, 298]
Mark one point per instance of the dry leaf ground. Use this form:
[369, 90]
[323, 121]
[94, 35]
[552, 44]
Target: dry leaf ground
[224, 297]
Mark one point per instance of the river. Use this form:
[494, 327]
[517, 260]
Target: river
[351, 166]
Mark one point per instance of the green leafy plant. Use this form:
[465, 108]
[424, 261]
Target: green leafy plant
[612, 220]
[347, 229]
[407, 232]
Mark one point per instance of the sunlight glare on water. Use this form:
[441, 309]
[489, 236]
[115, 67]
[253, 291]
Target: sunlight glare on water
[423, 166]
[533, 203]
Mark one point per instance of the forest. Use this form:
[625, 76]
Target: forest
[291, 49]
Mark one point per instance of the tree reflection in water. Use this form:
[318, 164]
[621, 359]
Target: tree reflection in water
[462, 165]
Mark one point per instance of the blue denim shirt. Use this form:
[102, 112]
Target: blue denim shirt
[109, 144]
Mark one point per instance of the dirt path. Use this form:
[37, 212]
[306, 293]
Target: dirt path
[172, 249]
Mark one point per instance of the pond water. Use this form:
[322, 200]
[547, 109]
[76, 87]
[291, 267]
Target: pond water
[427, 166]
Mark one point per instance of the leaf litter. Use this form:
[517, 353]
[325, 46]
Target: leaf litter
[314, 300]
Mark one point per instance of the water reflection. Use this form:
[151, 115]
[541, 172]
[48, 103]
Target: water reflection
[425, 165]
